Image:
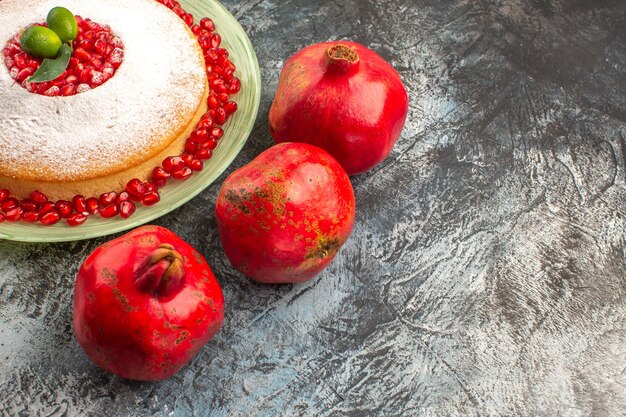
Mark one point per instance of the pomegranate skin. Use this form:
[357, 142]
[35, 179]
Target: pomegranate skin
[343, 98]
[140, 319]
[283, 217]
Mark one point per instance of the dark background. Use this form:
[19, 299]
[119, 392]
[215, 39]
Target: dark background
[486, 271]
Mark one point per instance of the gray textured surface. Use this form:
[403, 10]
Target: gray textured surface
[485, 274]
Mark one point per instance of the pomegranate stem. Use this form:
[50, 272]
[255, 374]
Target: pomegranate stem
[163, 272]
[341, 59]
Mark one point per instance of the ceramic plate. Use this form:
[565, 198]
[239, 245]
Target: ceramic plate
[176, 193]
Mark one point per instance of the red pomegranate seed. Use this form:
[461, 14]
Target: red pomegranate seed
[200, 135]
[68, 90]
[191, 146]
[29, 205]
[38, 197]
[81, 53]
[109, 211]
[123, 196]
[206, 121]
[150, 187]
[204, 154]
[216, 39]
[30, 216]
[24, 73]
[217, 133]
[9, 204]
[235, 86]
[64, 208]
[127, 208]
[207, 24]
[108, 198]
[187, 158]
[223, 97]
[188, 18]
[159, 173]
[196, 165]
[79, 204]
[46, 207]
[230, 107]
[71, 79]
[196, 30]
[93, 206]
[14, 214]
[4, 194]
[50, 218]
[220, 116]
[173, 163]
[182, 174]
[151, 198]
[213, 102]
[135, 188]
[100, 46]
[76, 219]
[211, 144]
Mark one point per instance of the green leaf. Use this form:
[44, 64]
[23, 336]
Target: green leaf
[50, 69]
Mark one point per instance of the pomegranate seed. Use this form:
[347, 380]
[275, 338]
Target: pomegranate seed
[14, 214]
[46, 207]
[64, 208]
[223, 97]
[68, 90]
[207, 24]
[30, 216]
[182, 174]
[2, 218]
[108, 198]
[38, 197]
[81, 53]
[217, 133]
[150, 187]
[211, 144]
[196, 30]
[76, 219]
[191, 146]
[204, 154]
[216, 39]
[4, 194]
[235, 86]
[50, 218]
[127, 208]
[151, 197]
[230, 107]
[93, 206]
[196, 165]
[29, 205]
[100, 46]
[135, 188]
[173, 163]
[52, 91]
[109, 211]
[220, 116]
[71, 79]
[200, 135]
[213, 102]
[188, 18]
[123, 196]
[9, 204]
[160, 174]
[206, 121]
[79, 204]
[24, 73]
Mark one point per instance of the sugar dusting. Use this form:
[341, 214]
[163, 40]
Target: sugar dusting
[160, 79]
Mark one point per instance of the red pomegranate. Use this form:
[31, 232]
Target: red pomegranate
[344, 98]
[145, 304]
[283, 217]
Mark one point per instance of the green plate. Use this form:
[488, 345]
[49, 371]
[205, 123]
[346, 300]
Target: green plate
[176, 193]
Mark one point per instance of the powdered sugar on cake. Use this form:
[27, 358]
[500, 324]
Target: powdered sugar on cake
[161, 80]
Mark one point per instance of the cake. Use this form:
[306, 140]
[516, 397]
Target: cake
[149, 109]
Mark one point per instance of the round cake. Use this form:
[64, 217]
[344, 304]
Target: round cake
[96, 141]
